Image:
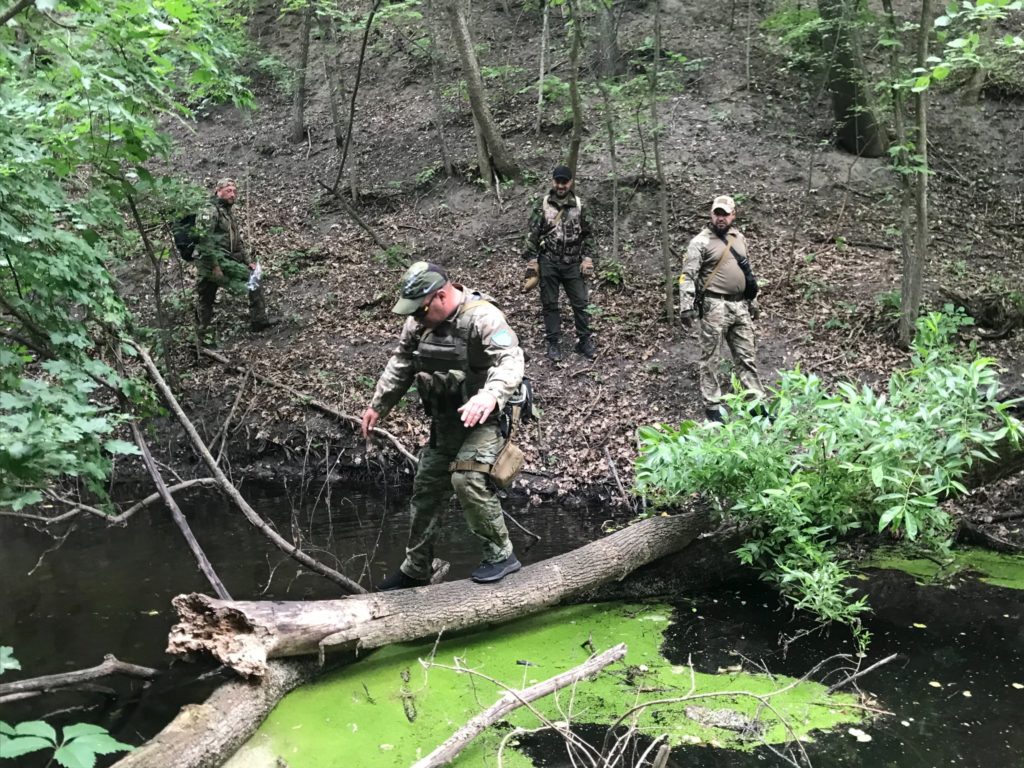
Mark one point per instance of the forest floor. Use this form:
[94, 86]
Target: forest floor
[822, 225]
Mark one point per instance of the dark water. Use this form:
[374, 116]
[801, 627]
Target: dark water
[108, 590]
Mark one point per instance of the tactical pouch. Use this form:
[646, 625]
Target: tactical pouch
[507, 465]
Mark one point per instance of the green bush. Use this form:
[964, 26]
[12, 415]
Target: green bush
[821, 465]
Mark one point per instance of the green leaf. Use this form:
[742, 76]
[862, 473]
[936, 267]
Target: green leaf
[7, 660]
[18, 746]
[36, 728]
[81, 729]
[121, 447]
[100, 743]
[75, 755]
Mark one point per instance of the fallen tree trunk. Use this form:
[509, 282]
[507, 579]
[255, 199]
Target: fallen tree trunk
[110, 665]
[244, 635]
[205, 735]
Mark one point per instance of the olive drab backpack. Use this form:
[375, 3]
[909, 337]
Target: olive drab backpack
[186, 238]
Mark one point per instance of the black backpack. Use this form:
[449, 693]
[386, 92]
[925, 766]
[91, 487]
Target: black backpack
[185, 236]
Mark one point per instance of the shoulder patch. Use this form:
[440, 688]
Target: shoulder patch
[502, 338]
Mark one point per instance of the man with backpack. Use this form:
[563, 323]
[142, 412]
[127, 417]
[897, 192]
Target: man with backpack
[558, 254]
[223, 261]
[718, 286]
[457, 348]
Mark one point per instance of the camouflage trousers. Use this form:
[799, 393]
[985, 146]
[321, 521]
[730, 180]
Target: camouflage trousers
[552, 275]
[206, 295]
[729, 321]
[433, 486]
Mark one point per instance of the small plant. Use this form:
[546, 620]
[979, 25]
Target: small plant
[613, 273]
[394, 256]
[427, 175]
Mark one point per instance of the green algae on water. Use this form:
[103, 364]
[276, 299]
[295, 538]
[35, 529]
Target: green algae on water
[994, 568]
[387, 711]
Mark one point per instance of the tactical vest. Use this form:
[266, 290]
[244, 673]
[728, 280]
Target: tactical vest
[447, 372]
[563, 240]
[225, 229]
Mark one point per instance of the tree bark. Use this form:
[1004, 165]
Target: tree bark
[111, 665]
[332, 73]
[244, 635]
[576, 137]
[913, 269]
[502, 160]
[435, 88]
[543, 54]
[609, 55]
[298, 126]
[666, 254]
[859, 130]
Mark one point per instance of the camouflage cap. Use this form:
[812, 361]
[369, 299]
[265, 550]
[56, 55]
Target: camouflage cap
[227, 181]
[419, 281]
[724, 202]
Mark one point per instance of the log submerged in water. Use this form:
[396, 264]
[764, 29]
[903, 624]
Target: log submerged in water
[245, 634]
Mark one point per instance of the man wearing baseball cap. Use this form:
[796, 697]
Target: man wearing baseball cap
[558, 255]
[465, 360]
[224, 261]
[718, 286]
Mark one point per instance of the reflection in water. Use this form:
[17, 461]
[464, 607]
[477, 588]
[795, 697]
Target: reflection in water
[108, 590]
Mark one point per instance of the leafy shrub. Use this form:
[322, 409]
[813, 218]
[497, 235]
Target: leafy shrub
[822, 465]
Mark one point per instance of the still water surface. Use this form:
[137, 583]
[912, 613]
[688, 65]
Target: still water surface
[108, 590]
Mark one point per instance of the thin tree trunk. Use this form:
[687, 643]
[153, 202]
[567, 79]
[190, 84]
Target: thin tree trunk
[666, 254]
[574, 87]
[14, 10]
[609, 56]
[298, 125]
[179, 518]
[111, 665]
[504, 164]
[913, 273]
[332, 73]
[244, 635]
[435, 88]
[540, 76]
[901, 160]
[609, 124]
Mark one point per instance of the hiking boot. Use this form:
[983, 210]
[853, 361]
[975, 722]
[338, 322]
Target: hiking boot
[554, 352]
[587, 348]
[487, 573]
[262, 324]
[399, 580]
[714, 414]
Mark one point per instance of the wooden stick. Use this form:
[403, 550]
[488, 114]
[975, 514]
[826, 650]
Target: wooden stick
[232, 492]
[312, 403]
[512, 700]
[205, 566]
[111, 666]
[861, 673]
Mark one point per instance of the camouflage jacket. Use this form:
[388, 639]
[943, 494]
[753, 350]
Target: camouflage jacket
[702, 256]
[473, 350]
[558, 230]
[221, 238]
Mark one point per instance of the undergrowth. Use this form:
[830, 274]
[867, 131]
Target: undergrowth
[817, 466]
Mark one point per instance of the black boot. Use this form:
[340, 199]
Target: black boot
[587, 348]
[554, 352]
[714, 414]
[263, 323]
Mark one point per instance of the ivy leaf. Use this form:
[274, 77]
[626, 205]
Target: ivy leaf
[16, 747]
[7, 660]
[37, 728]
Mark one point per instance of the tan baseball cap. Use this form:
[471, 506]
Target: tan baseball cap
[724, 202]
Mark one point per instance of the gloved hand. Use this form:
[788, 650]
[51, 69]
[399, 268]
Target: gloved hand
[532, 277]
[587, 267]
[687, 318]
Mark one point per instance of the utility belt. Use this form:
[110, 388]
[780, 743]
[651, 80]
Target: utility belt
[510, 458]
[724, 296]
[568, 255]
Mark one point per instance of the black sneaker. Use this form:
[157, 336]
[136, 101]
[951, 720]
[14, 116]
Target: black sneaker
[714, 414]
[587, 348]
[400, 581]
[554, 352]
[486, 573]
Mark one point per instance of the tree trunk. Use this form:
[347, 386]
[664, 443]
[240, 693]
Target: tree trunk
[298, 126]
[666, 254]
[435, 88]
[913, 269]
[502, 160]
[332, 73]
[609, 57]
[609, 125]
[859, 130]
[574, 88]
[244, 635]
[540, 76]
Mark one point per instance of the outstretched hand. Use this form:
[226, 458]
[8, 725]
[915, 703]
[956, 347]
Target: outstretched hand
[369, 421]
[478, 408]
